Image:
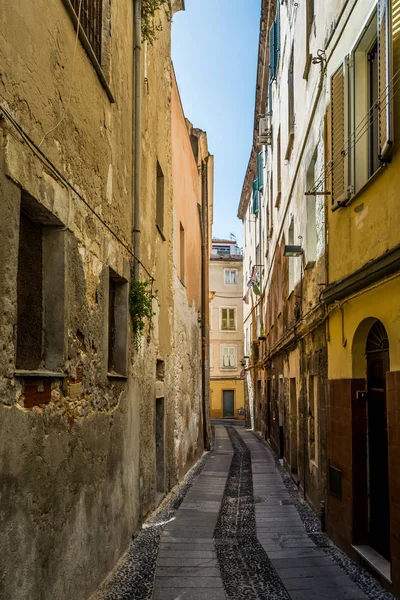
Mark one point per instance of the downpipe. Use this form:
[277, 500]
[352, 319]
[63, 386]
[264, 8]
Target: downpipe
[137, 132]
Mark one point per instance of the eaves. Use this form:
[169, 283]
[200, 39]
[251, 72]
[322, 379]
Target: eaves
[261, 97]
[373, 271]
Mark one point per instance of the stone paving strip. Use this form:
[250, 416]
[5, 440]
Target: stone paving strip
[236, 530]
[133, 576]
[187, 566]
[305, 570]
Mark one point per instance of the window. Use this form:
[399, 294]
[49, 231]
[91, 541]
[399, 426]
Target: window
[278, 170]
[291, 259]
[160, 199]
[311, 235]
[256, 195]
[309, 24]
[40, 289]
[181, 253]
[223, 250]
[117, 324]
[290, 105]
[313, 418]
[230, 276]
[91, 18]
[95, 35]
[228, 357]
[228, 319]
[260, 170]
[362, 108]
[274, 45]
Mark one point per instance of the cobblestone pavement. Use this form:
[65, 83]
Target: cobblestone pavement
[237, 529]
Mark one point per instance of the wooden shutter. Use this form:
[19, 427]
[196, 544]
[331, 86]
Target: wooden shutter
[385, 85]
[272, 52]
[231, 318]
[224, 318]
[339, 158]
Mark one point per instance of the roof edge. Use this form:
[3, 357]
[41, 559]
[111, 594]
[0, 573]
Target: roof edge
[261, 97]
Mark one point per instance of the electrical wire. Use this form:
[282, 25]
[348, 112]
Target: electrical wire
[52, 167]
[355, 136]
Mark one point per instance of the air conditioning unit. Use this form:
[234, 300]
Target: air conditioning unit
[264, 132]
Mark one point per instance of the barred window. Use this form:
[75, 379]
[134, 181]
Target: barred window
[91, 19]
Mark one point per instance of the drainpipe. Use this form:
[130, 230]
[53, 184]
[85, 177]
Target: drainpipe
[203, 219]
[137, 131]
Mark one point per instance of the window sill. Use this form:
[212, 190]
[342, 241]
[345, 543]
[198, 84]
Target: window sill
[40, 373]
[116, 376]
[161, 233]
[228, 330]
[86, 44]
[228, 368]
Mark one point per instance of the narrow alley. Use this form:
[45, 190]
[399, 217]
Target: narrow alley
[236, 529]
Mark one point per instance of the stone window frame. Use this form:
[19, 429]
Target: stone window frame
[103, 68]
[117, 330]
[234, 308]
[50, 363]
[225, 347]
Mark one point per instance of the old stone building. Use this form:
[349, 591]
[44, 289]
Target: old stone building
[362, 292]
[226, 332]
[192, 178]
[91, 432]
[320, 250]
[284, 249]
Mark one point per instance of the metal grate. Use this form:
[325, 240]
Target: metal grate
[91, 19]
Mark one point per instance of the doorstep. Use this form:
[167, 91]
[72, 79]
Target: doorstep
[374, 560]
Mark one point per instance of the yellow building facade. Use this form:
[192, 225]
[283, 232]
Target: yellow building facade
[226, 331]
[362, 294]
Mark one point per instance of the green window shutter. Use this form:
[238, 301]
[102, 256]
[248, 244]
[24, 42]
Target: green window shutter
[231, 320]
[255, 196]
[260, 170]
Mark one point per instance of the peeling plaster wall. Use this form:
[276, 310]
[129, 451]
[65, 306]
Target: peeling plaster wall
[78, 470]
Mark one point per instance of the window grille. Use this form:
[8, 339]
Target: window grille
[91, 19]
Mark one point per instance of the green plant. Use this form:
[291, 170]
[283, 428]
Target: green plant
[141, 298]
[150, 27]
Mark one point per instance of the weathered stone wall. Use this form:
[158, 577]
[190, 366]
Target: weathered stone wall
[78, 466]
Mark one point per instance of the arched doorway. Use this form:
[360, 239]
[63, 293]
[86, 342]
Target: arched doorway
[377, 354]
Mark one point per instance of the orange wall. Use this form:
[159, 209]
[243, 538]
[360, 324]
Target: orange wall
[186, 195]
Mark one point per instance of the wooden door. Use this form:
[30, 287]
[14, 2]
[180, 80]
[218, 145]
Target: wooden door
[228, 400]
[378, 470]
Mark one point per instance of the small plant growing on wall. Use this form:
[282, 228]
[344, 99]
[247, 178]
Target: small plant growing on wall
[141, 298]
[150, 27]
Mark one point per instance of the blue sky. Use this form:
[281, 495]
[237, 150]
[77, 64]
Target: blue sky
[214, 49]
